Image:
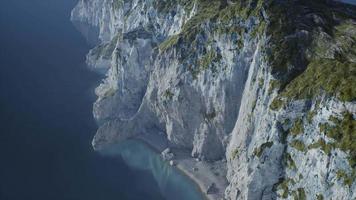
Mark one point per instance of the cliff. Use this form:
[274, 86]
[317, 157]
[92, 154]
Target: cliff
[266, 87]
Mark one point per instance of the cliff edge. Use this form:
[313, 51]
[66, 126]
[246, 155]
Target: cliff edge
[266, 87]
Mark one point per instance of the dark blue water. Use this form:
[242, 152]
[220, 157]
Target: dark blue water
[46, 122]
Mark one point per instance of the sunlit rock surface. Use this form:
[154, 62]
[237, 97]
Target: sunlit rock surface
[267, 87]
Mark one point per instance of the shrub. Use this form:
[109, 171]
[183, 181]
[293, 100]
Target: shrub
[258, 152]
[326, 147]
[299, 145]
[344, 133]
[234, 154]
[297, 127]
[276, 104]
[299, 194]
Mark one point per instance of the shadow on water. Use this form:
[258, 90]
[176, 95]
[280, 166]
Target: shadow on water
[172, 183]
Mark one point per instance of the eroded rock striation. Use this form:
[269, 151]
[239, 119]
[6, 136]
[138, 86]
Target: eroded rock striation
[269, 86]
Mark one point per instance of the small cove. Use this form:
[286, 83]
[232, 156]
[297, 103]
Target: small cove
[173, 184]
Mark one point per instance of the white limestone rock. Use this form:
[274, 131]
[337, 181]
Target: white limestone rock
[219, 113]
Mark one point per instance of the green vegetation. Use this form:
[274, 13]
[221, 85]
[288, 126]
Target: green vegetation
[299, 194]
[319, 197]
[221, 15]
[326, 147]
[297, 127]
[273, 85]
[277, 104]
[300, 76]
[259, 29]
[331, 76]
[299, 145]
[303, 65]
[207, 10]
[168, 94]
[212, 10]
[347, 179]
[164, 6]
[300, 177]
[284, 186]
[260, 82]
[235, 154]
[289, 162]
[208, 59]
[282, 52]
[241, 9]
[258, 152]
[343, 37]
[171, 41]
[240, 42]
[286, 122]
[311, 115]
[344, 134]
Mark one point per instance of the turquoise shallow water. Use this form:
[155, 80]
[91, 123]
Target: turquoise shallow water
[173, 184]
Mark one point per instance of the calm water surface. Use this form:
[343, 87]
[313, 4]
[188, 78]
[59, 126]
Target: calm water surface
[173, 184]
[45, 113]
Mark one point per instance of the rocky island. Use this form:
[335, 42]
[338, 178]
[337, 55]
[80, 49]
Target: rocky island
[252, 99]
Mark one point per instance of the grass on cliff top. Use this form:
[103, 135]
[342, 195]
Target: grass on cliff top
[345, 39]
[336, 77]
[206, 11]
[241, 9]
[214, 10]
[164, 6]
[302, 62]
[331, 76]
[322, 76]
[288, 44]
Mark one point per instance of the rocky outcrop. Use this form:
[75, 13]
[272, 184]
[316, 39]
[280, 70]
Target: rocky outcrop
[267, 85]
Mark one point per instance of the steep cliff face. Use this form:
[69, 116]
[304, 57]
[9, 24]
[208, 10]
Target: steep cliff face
[267, 85]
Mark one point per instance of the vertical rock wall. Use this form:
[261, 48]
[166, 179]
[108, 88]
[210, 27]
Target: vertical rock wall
[266, 85]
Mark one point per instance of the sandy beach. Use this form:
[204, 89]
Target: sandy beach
[203, 173]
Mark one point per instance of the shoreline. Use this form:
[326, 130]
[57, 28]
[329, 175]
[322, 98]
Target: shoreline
[201, 173]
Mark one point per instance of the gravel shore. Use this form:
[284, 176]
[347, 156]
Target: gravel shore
[209, 176]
